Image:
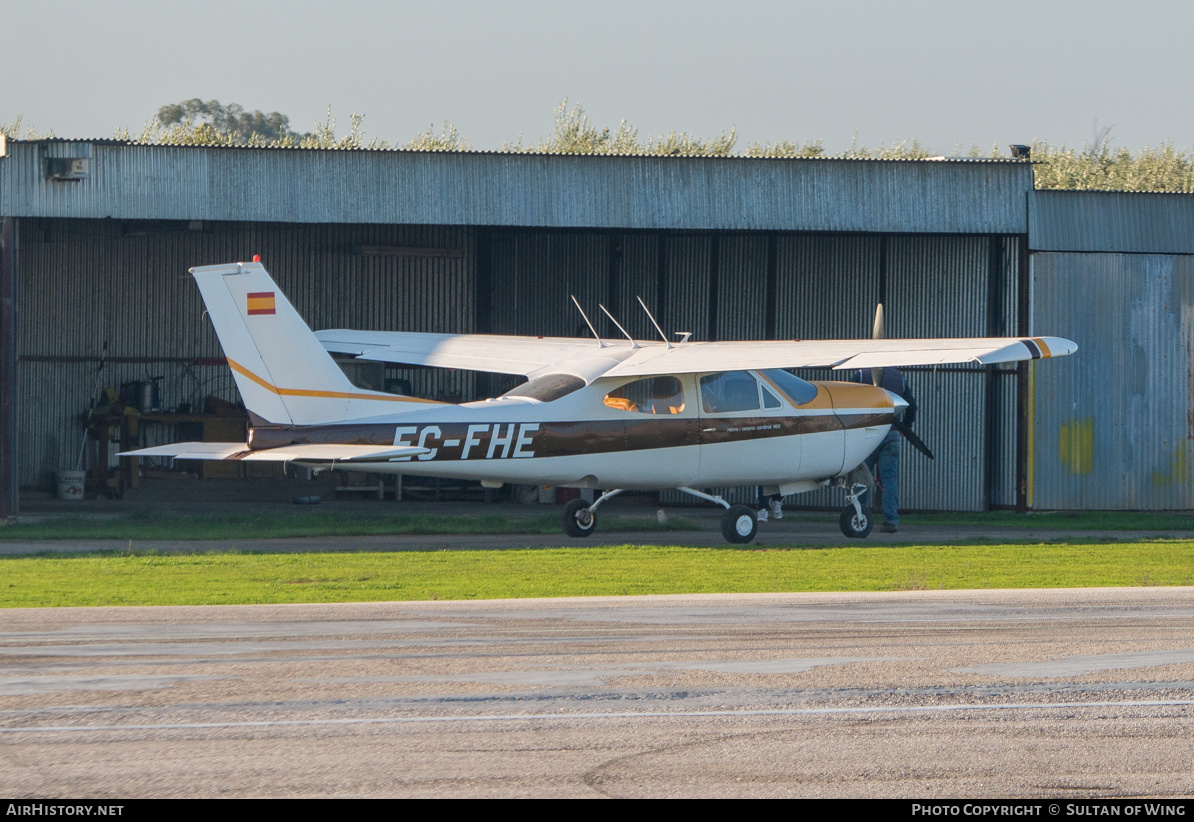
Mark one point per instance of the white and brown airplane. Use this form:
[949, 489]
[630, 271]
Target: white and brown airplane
[594, 413]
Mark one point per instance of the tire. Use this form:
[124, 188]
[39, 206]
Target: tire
[852, 525]
[578, 520]
[739, 524]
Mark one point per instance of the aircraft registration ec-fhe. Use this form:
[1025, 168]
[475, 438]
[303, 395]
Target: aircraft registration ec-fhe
[594, 413]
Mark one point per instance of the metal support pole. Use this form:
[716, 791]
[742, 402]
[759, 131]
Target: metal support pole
[995, 325]
[8, 361]
[1023, 329]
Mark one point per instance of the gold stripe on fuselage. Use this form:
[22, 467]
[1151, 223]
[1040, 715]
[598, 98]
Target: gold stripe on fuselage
[304, 392]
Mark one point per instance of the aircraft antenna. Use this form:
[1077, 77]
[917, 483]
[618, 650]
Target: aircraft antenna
[633, 344]
[600, 342]
[657, 328]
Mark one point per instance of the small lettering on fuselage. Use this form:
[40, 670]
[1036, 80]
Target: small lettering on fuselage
[500, 440]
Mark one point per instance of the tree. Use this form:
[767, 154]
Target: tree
[230, 120]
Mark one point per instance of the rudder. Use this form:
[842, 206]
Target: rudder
[283, 372]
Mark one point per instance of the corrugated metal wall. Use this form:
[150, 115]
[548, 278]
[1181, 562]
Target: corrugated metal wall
[1004, 377]
[84, 283]
[689, 262]
[505, 189]
[1114, 221]
[1113, 425]
[934, 287]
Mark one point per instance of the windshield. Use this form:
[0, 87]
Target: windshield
[797, 390]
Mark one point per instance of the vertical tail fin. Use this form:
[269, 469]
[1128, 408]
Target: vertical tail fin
[283, 372]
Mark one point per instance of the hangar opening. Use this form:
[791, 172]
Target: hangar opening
[724, 248]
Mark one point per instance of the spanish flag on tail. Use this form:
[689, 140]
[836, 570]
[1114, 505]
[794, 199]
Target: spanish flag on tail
[260, 302]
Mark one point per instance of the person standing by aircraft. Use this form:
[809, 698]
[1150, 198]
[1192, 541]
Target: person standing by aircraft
[772, 502]
[884, 462]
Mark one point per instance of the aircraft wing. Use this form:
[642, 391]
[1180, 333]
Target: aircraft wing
[839, 355]
[474, 352]
[530, 355]
[316, 452]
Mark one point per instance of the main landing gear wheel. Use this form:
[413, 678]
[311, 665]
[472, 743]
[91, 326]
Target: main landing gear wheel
[855, 524]
[578, 520]
[739, 524]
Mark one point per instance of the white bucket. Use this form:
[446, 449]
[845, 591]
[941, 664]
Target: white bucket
[70, 484]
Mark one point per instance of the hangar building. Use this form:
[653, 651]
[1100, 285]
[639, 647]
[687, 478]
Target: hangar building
[97, 237]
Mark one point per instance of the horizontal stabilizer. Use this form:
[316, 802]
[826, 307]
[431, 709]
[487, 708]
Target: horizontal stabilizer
[317, 452]
[192, 451]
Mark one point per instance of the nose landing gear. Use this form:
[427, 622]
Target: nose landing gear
[856, 519]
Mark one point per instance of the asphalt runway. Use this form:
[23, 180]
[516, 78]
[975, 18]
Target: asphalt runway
[1052, 693]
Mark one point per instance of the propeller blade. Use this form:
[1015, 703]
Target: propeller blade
[878, 333]
[916, 441]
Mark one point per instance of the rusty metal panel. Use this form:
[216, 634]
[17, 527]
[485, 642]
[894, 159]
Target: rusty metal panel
[1113, 221]
[505, 189]
[1113, 424]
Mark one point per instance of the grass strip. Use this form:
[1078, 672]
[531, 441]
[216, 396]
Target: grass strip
[146, 525]
[266, 524]
[1064, 520]
[245, 578]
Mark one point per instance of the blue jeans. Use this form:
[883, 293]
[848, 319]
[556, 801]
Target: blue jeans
[885, 464]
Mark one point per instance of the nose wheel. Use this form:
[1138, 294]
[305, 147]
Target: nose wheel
[856, 523]
[856, 519]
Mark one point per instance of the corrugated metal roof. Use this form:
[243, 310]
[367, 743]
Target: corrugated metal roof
[107, 141]
[504, 189]
[1115, 221]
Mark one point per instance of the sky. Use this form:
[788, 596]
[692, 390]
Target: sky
[949, 74]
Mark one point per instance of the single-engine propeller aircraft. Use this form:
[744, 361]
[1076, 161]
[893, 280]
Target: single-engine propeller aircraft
[594, 413]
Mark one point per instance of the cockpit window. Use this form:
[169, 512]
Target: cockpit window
[797, 390]
[729, 391]
[548, 387]
[654, 395]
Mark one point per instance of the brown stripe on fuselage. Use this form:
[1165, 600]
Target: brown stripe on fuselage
[554, 439]
[852, 421]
